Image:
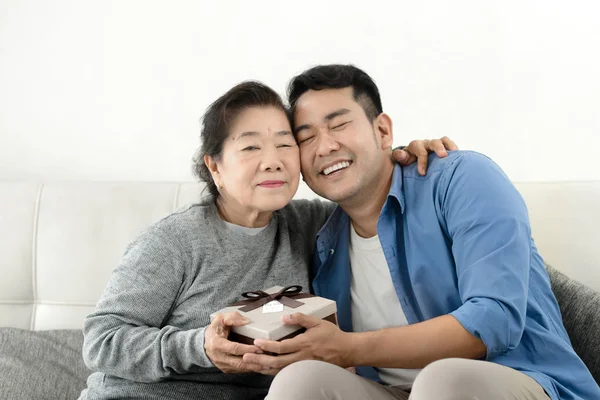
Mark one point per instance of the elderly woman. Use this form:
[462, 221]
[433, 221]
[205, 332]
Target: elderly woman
[150, 336]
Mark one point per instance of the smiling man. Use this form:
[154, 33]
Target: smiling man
[441, 292]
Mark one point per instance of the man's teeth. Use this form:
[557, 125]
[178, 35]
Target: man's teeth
[338, 166]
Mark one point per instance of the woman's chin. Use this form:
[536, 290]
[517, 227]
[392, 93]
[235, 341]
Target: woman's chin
[274, 203]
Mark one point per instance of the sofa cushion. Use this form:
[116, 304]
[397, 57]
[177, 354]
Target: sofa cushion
[41, 364]
[580, 308]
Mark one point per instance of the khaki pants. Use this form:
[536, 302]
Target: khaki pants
[450, 379]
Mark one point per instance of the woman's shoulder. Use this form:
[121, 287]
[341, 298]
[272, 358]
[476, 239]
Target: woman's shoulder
[307, 215]
[305, 207]
[185, 222]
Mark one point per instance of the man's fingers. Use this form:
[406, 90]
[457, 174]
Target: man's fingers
[449, 143]
[284, 347]
[233, 348]
[305, 321]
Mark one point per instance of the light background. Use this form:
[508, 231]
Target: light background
[114, 90]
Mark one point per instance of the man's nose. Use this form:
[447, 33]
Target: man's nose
[326, 143]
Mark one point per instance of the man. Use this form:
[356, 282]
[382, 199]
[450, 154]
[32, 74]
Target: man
[441, 292]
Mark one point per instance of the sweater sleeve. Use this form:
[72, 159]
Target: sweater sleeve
[310, 215]
[126, 335]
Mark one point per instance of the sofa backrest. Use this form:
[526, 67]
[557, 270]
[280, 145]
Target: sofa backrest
[60, 241]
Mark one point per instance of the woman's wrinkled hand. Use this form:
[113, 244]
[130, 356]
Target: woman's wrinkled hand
[225, 354]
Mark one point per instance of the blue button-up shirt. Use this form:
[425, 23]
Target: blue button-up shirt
[458, 241]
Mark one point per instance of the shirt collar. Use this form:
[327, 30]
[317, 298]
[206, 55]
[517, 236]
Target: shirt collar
[397, 188]
[338, 219]
[329, 233]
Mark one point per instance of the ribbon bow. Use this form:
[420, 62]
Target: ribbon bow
[285, 296]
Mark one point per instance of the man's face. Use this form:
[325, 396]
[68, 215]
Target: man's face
[341, 152]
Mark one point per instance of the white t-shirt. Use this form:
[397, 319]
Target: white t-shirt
[374, 302]
[245, 229]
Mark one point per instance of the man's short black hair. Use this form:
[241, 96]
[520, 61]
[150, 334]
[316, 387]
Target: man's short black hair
[337, 76]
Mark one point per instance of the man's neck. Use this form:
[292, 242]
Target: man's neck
[365, 209]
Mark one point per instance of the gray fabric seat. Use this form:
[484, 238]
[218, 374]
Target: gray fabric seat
[580, 309]
[41, 364]
[49, 365]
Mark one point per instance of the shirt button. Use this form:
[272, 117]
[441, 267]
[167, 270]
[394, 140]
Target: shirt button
[331, 251]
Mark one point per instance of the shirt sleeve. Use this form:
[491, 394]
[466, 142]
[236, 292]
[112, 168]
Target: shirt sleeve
[487, 221]
[126, 335]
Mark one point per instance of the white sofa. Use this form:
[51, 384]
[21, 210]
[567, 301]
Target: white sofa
[60, 240]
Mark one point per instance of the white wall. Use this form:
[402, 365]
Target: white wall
[113, 90]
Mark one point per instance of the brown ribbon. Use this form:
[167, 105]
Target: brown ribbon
[285, 296]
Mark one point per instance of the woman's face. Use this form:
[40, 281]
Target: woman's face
[259, 168]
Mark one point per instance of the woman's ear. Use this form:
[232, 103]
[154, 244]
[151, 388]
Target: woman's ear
[383, 124]
[213, 168]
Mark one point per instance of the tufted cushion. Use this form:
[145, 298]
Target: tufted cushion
[580, 308]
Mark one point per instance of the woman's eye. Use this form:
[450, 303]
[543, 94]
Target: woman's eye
[340, 126]
[284, 145]
[250, 148]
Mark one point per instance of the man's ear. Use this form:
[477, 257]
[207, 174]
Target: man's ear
[383, 126]
[213, 168]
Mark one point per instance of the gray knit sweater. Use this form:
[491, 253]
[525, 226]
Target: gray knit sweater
[146, 336]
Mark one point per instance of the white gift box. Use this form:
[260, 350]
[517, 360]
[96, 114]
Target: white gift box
[265, 320]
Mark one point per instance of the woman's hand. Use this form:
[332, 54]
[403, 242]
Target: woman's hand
[418, 150]
[227, 355]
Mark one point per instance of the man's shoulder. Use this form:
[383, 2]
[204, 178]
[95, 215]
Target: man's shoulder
[463, 170]
[436, 165]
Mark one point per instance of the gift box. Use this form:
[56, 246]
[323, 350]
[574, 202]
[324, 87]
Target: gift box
[264, 309]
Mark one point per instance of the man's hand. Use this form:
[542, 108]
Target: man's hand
[418, 150]
[322, 341]
[227, 355]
